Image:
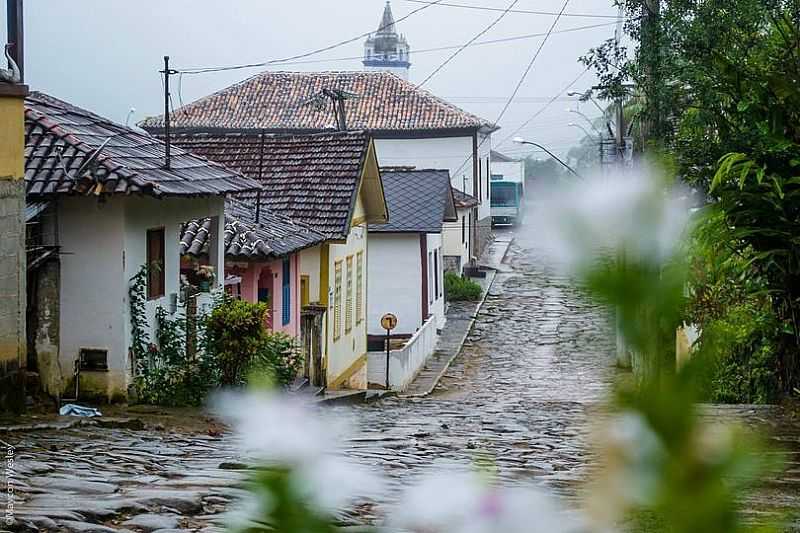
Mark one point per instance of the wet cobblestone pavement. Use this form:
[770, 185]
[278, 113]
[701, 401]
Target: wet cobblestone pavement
[525, 393]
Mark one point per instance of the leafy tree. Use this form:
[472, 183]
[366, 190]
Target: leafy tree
[719, 83]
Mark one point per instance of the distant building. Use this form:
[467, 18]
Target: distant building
[386, 49]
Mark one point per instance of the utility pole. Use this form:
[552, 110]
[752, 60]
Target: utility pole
[167, 72]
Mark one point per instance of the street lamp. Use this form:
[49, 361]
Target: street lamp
[587, 95]
[520, 140]
[574, 125]
[587, 119]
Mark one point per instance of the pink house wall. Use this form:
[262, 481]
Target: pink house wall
[270, 275]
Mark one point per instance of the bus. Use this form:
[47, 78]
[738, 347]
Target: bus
[506, 203]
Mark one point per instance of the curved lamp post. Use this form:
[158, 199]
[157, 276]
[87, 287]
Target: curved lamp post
[574, 125]
[520, 140]
[587, 119]
[589, 97]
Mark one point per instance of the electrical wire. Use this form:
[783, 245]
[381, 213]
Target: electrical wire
[522, 11]
[467, 44]
[200, 70]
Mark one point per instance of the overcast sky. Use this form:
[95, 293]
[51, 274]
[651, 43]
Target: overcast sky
[105, 54]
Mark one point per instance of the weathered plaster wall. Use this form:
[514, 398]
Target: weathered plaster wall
[12, 254]
[46, 335]
[103, 247]
[455, 245]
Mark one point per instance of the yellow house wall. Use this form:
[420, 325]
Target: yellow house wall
[346, 362]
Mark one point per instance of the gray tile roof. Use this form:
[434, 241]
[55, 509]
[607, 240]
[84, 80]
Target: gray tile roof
[313, 178]
[279, 102]
[419, 201]
[271, 237]
[61, 139]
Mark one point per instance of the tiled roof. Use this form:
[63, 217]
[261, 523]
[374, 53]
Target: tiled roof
[279, 102]
[464, 200]
[271, 237]
[419, 201]
[61, 140]
[497, 157]
[310, 178]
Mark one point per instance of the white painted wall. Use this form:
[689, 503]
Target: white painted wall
[309, 266]
[93, 290]
[513, 171]
[103, 246]
[436, 279]
[395, 281]
[404, 364]
[451, 153]
[453, 244]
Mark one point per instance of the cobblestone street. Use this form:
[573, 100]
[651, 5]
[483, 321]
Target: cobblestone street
[525, 393]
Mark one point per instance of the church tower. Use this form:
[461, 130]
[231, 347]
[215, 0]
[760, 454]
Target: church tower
[386, 49]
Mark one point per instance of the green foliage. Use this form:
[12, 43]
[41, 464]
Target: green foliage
[137, 296]
[718, 82]
[283, 506]
[234, 333]
[278, 357]
[729, 302]
[457, 288]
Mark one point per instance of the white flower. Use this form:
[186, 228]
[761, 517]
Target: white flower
[286, 431]
[578, 223]
[277, 428]
[459, 501]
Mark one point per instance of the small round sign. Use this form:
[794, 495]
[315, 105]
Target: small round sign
[388, 321]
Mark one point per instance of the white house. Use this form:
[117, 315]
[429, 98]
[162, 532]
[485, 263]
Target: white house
[104, 204]
[505, 168]
[411, 127]
[405, 274]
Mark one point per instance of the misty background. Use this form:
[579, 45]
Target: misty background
[105, 55]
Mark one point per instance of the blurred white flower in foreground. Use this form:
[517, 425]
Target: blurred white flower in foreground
[287, 432]
[462, 501]
[582, 221]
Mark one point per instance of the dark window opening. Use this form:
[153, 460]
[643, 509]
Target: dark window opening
[286, 301]
[155, 263]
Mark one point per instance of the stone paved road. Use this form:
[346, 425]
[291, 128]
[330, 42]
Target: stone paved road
[525, 391]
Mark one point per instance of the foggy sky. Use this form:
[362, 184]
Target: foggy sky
[104, 55]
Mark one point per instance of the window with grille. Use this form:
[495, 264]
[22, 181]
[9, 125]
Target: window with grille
[155, 263]
[337, 301]
[359, 287]
[348, 312]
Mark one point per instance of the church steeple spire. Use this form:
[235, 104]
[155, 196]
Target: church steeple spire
[387, 21]
[386, 49]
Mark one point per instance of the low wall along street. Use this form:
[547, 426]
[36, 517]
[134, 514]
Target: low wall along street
[405, 364]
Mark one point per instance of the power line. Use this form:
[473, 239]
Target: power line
[440, 48]
[465, 45]
[532, 61]
[523, 11]
[520, 82]
[542, 110]
[200, 70]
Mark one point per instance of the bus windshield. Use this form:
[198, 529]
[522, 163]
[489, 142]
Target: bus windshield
[504, 195]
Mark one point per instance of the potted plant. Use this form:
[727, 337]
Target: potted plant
[204, 274]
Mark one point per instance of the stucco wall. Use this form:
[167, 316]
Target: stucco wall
[309, 266]
[454, 154]
[270, 274]
[103, 246]
[347, 353]
[436, 268]
[395, 281]
[456, 249]
[405, 364]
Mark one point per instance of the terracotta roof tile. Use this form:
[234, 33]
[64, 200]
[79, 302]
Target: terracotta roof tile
[311, 178]
[277, 101]
[60, 138]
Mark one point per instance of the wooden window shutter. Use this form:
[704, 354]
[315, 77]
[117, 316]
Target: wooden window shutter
[337, 301]
[359, 287]
[348, 313]
[155, 264]
[286, 291]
